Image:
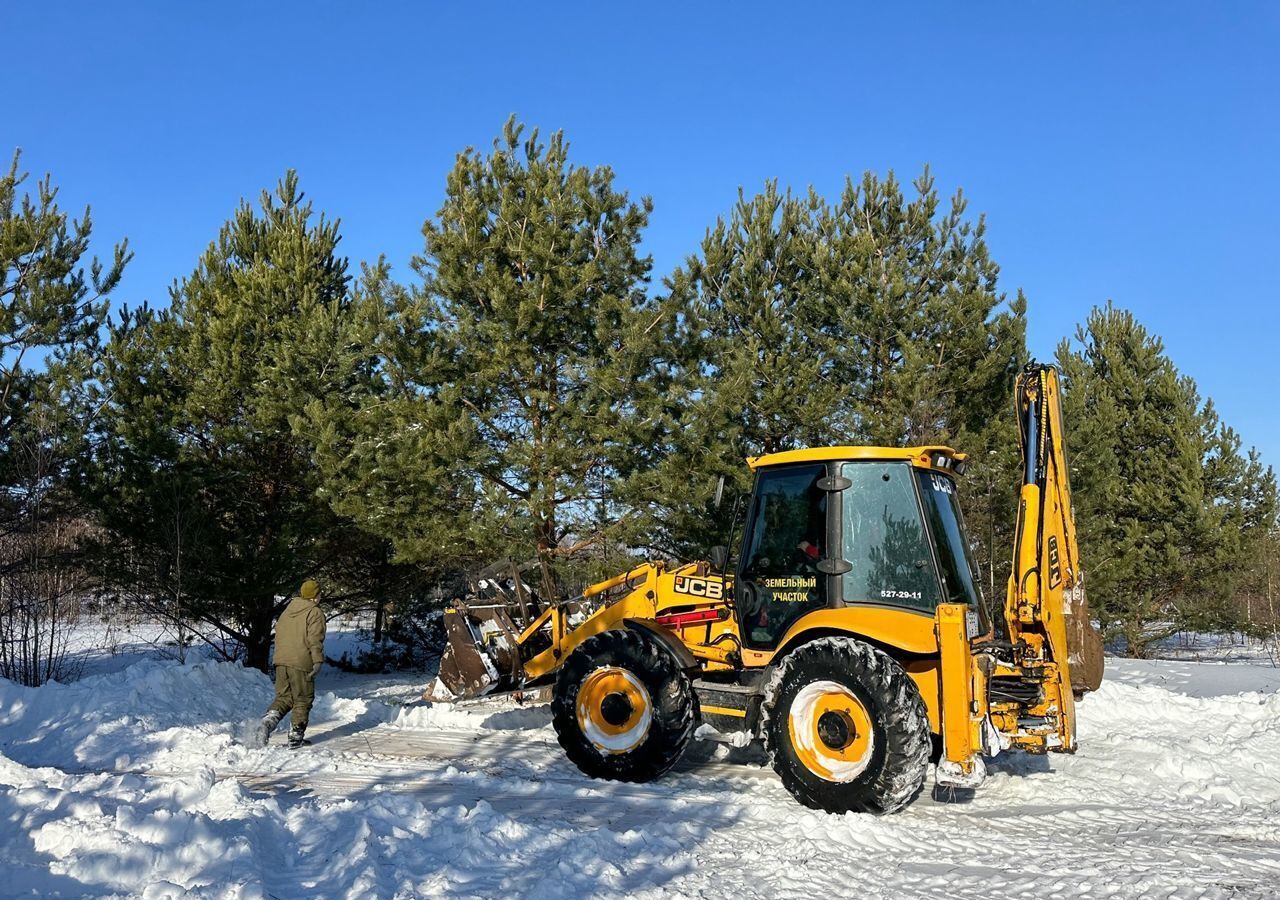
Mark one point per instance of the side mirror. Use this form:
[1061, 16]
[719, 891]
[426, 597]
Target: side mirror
[719, 558]
[715, 504]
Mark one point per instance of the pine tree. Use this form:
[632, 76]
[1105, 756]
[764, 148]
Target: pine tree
[753, 365]
[510, 373]
[929, 345]
[200, 471]
[51, 311]
[1242, 512]
[874, 320]
[1166, 506]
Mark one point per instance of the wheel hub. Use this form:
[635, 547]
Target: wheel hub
[616, 709]
[834, 729]
[831, 731]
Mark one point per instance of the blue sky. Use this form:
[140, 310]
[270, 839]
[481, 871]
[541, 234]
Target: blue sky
[1122, 151]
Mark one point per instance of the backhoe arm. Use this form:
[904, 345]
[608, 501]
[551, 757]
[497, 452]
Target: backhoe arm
[1046, 612]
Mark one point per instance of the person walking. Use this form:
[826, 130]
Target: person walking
[299, 654]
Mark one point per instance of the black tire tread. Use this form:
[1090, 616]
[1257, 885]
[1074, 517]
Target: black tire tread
[903, 725]
[675, 706]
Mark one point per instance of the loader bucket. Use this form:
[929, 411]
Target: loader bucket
[482, 655]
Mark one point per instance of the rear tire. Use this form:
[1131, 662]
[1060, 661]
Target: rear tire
[623, 709]
[846, 728]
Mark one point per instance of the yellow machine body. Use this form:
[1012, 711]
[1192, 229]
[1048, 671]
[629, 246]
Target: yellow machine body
[935, 650]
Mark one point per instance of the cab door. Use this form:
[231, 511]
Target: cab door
[779, 577]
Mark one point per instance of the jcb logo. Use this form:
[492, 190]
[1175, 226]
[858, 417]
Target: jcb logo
[1055, 563]
[699, 587]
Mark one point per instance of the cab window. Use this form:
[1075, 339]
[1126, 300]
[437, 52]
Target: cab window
[779, 580]
[955, 558]
[885, 540]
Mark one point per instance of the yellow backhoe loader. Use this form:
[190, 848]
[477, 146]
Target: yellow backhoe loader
[851, 636]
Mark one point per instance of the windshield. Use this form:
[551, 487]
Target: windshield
[955, 559]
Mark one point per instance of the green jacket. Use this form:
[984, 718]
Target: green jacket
[300, 635]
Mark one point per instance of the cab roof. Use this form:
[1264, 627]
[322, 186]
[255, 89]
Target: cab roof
[926, 457]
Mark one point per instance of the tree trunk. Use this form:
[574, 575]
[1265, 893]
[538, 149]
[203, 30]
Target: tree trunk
[1137, 642]
[545, 540]
[257, 649]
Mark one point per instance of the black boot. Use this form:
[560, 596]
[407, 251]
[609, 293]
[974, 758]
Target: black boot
[268, 725]
[296, 738]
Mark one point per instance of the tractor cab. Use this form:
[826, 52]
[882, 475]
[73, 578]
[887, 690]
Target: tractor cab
[839, 527]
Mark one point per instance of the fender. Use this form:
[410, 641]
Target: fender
[667, 639]
[904, 630]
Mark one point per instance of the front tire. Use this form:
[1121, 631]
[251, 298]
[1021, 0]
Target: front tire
[846, 728]
[623, 709]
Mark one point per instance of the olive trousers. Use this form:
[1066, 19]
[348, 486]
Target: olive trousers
[296, 691]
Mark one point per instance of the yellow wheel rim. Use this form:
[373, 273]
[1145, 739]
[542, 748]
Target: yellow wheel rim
[614, 710]
[831, 731]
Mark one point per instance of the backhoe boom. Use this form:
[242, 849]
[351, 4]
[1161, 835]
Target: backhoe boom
[1046, 613]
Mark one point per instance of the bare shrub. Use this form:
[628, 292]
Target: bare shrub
[41, 581]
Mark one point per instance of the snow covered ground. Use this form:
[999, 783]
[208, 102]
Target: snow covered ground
[138, 781]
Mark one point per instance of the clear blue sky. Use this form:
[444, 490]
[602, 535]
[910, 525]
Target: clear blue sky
[1123, 151]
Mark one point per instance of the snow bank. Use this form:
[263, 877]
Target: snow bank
[1197, 678]
[153, 714]
[1220, 749]
[128, 718]
[195, 837]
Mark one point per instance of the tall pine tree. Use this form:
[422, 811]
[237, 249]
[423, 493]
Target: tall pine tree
[511, 372]
[929, 344]
[754, 363]
[208, 492]
[53, 302]
[874, 320]
[1169, 511]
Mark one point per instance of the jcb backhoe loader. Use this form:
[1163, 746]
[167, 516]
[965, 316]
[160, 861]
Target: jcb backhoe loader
[851, 637]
